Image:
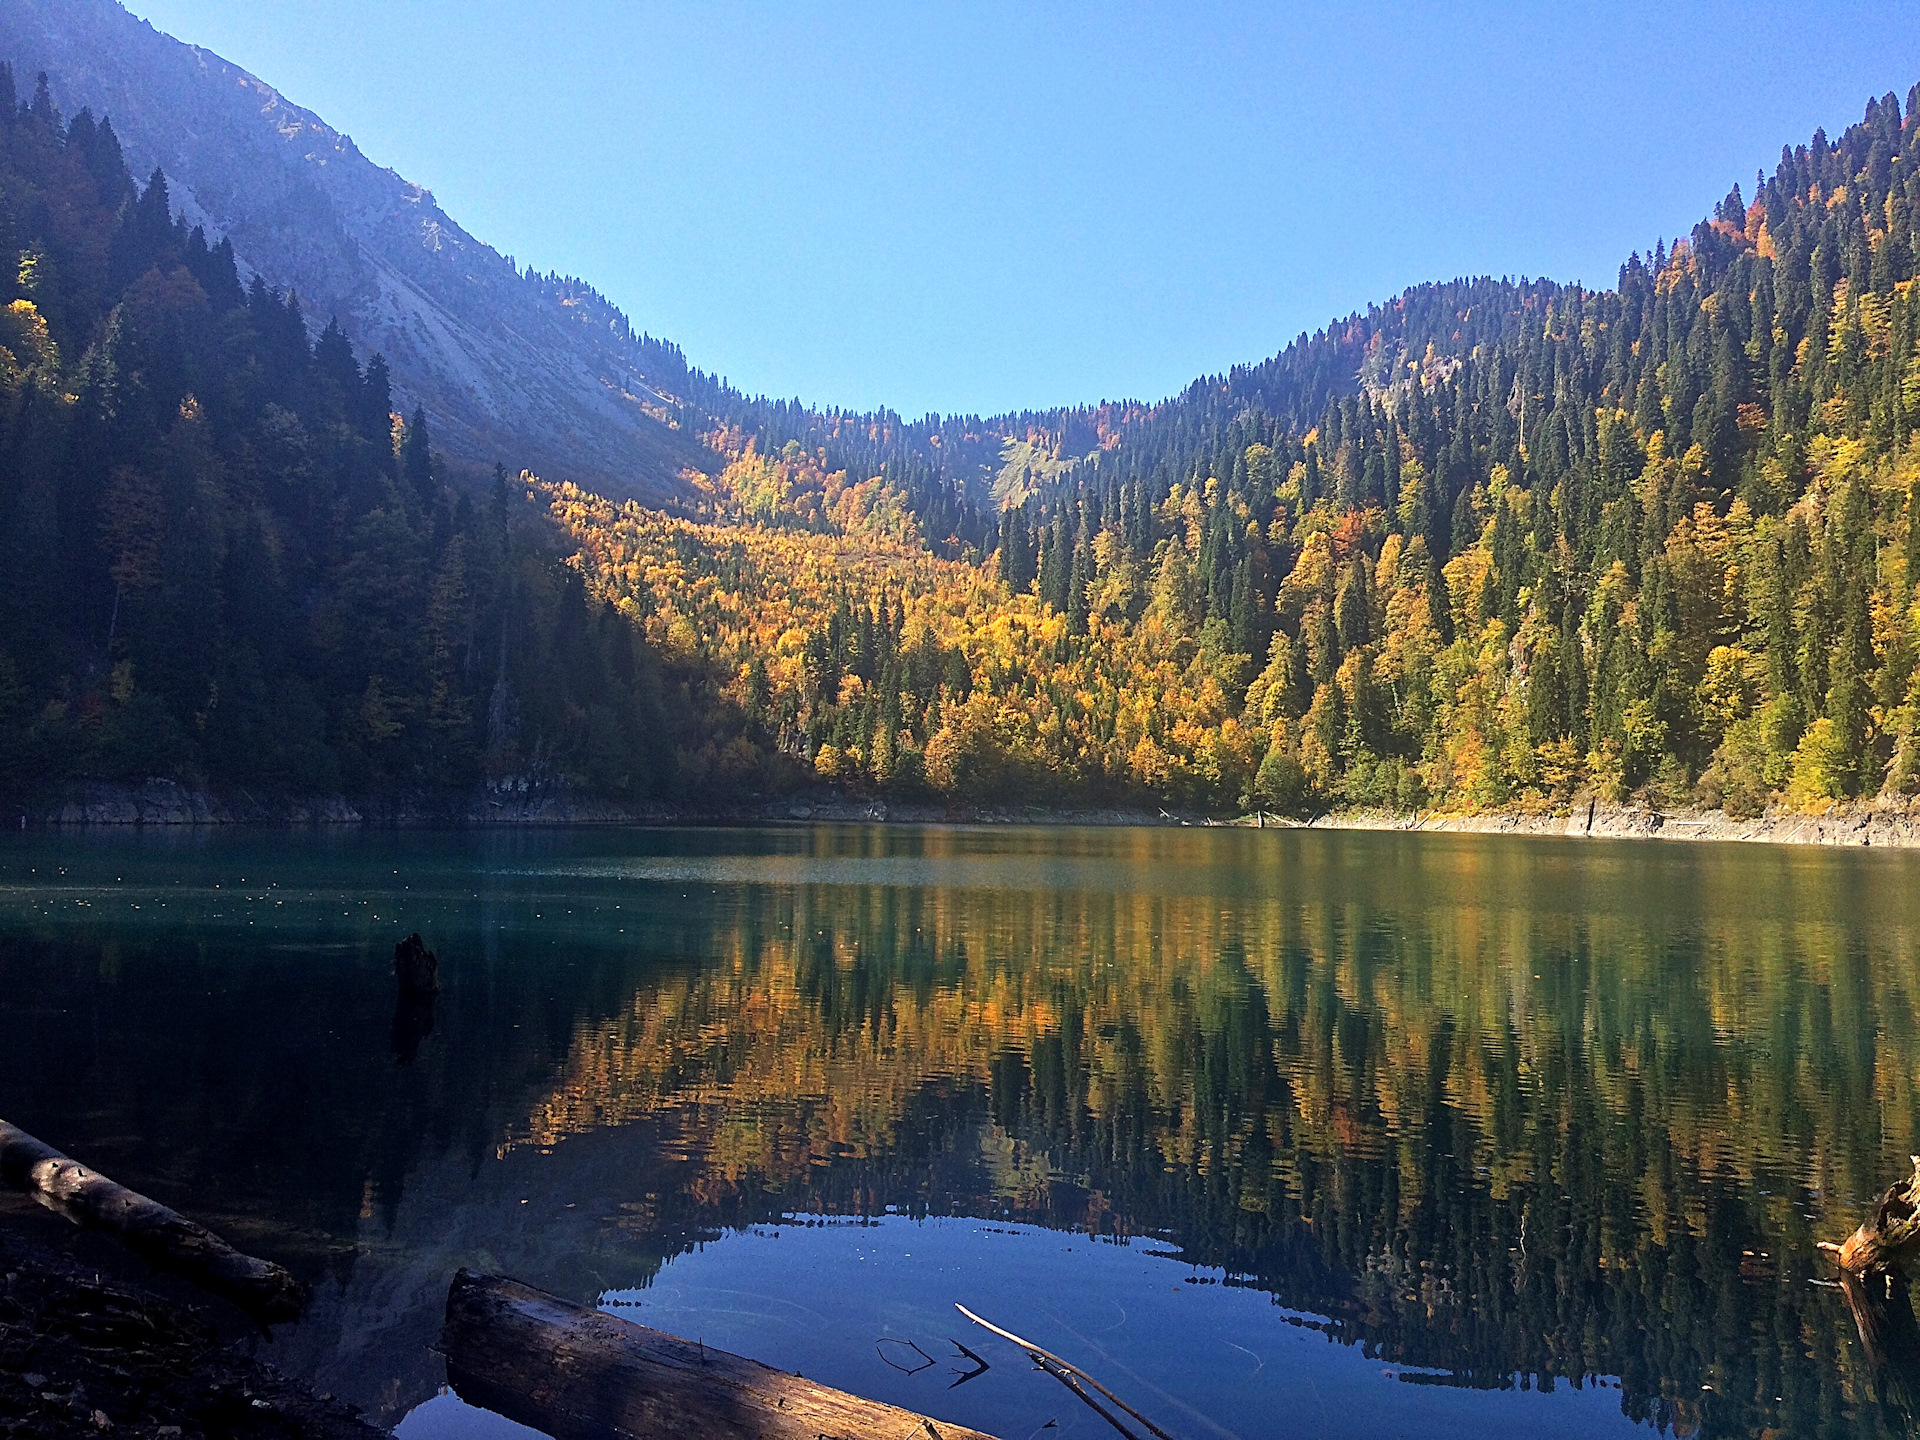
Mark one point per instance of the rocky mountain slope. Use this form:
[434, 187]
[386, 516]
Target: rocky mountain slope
[535, 371]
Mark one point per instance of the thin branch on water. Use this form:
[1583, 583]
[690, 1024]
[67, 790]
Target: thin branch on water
[1074, 1385]
[1064, 1371]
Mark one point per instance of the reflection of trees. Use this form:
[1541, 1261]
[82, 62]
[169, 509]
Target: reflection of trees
[262, 1095]
[1486, 1124]
[1501, 1110]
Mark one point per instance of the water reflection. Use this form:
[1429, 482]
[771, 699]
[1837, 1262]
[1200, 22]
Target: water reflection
[1510, 1112]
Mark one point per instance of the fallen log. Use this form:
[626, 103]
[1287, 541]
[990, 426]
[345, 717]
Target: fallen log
[163, 1238]
[581, 1374]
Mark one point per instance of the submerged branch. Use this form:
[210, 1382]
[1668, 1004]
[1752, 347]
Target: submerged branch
[1873, 1279]
[1066, 1372]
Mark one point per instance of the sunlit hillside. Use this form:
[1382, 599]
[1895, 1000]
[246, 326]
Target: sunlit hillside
[1492, 545]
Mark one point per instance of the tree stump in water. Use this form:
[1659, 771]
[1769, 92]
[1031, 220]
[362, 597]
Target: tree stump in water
[1888, 1239]
[416, 967]
[1873, 1278]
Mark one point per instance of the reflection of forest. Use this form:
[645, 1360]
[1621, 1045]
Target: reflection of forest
[1491, 1113]
[1501, 1108]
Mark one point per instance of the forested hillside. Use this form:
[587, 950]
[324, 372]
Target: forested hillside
[1492, 544]
[223, 559]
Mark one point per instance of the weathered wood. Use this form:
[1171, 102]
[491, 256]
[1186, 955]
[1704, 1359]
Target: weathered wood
[162, 1237]
[580, 1374]
[1889, 1238]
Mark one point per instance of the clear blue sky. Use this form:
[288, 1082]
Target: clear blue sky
[988, 207]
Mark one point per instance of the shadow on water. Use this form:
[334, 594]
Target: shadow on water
[1504, 1113]
[412, 1023]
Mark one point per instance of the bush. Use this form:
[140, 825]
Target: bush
[1819, 767]
[1282, 782]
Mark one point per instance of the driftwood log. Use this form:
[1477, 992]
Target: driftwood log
[1873, 1265]
[162, 1237]
[580, 1374]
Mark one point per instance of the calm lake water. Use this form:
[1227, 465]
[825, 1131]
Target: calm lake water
[1278, 1133]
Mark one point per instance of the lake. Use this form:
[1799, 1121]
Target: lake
[1276, 1132]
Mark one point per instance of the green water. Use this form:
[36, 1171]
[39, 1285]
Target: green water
[1279, 1132]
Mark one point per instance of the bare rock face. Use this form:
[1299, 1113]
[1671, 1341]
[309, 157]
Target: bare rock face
[532, 371]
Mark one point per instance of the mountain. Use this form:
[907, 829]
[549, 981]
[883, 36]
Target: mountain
[535, 371]
[223, 562]
[1491, 544]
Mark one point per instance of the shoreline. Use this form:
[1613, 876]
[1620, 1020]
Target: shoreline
[1862, 826]
[93, 1342]
[168, 805]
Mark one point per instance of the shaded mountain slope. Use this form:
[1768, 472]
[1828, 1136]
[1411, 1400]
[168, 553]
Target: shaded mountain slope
[222, 562]
[535, 371]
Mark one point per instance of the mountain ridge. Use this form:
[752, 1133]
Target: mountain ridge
[534, 371]
[1490, 544]
[542, 372]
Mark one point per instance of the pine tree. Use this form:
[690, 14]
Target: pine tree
[416, 457]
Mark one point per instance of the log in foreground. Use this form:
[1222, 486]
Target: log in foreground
[580, 1374]
[163, 1238]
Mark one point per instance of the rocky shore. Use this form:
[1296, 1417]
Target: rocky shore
[1862, 825]
[166, 803]
[94, 1344]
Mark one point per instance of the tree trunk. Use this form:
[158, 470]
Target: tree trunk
[579, 1374]
[161, 1237]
